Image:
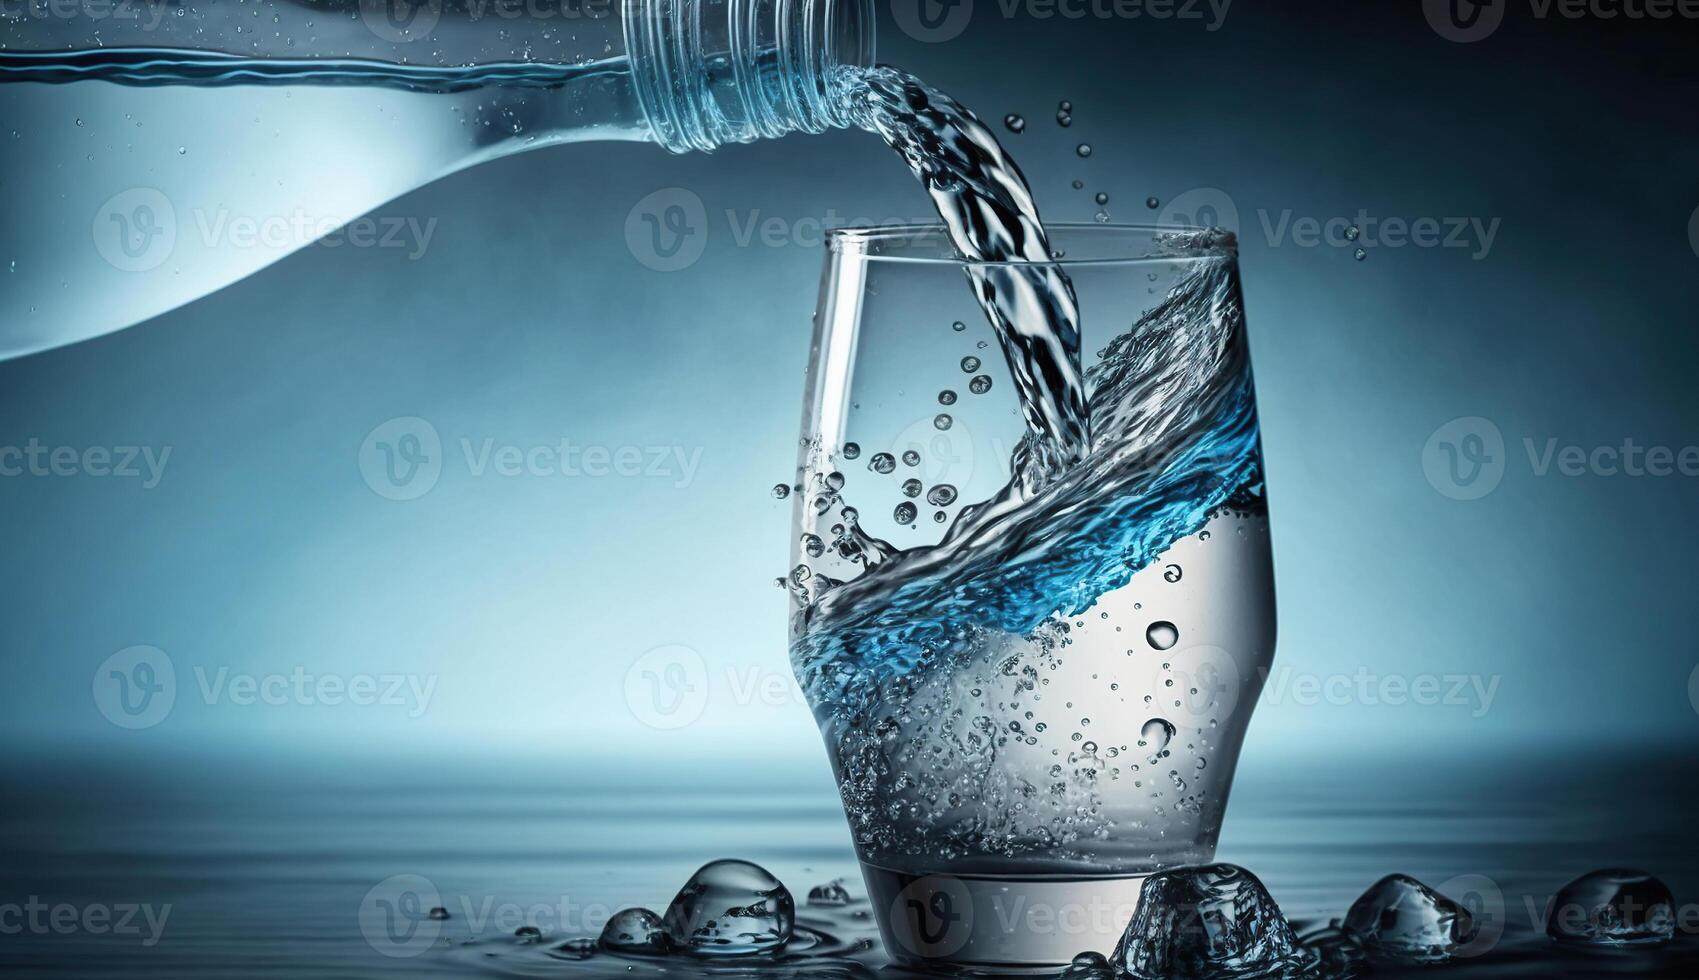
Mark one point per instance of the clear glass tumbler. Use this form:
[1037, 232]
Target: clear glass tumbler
[1032, 678]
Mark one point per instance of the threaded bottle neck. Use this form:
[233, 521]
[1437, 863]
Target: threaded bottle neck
[711, 72]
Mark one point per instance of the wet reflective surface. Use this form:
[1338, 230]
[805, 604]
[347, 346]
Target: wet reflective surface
[197, 865]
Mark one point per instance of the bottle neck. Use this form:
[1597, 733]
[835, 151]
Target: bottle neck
[711, 72]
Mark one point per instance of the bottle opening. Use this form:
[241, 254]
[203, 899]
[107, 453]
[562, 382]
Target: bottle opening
[711, 72]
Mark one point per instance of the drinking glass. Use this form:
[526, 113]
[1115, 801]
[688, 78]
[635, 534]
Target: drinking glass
[1032, 671]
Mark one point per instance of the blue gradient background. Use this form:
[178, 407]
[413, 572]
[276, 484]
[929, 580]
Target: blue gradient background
[529, 320]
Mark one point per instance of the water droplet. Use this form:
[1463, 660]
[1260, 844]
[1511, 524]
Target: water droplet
[970, 364]
[528, 934]
[942, 421]
[182, 150]
[946, 397]
[635, 931]
[1172, 573]
[942, 495]
[1064, 119]
[912, 487]
[1153, 202]
[830, 895]
[1102, 198]
[911, 458]
[938, 517]
[958, 326]
[1014, 123]
[1084, 149]
[1613, 907]
[905, 513]
[835, 480]
[1162, 634]
[1102, 217]
[1156, 733]
[852, 450]
[1078, 184]
[438, 914]
[781, 491]
[813, 546]
[980, 384]
[731, 908]
[1065, 106]
[1360, 254]
[882, 463]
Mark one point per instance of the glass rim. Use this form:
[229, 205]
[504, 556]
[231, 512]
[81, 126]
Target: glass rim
[1162, 243]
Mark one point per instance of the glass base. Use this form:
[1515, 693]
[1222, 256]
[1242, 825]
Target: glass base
[998, 925]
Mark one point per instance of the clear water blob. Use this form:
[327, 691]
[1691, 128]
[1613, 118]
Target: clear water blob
[1078, 185]
[939, 517]
[438, 914]
[1064, 106]
[1162, 635]
[1156, 734]
[528, 935]
[905, 513]
[1064, 118]
[731, 908]
[882, 463]
[852, 450]
[979, 384]
[946, 397]
[635, 930]
[970, 364]
[911, 458]
[575, 949]
[1101, 198]
[1153, 202]
[1102, 217]
[781, 491]
[958, 326]
[912, 487]
[832, 894]
[835, 480]
[1172, 573]
[1360, 254]
[1089, 966]
[1215, 922]
[1401, 920]
[813, 546]
[942, 495]
[942, 421]
[1612, 907]
[1084, 150]
[1014, 123]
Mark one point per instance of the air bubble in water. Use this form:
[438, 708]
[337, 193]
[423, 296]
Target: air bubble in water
[852, 450]
[813, 546]
[1102, 198]
[1156, 733]
[1152, 202]
[1078, 184]
[1360, 254]
[942, 495]
[634, 931]
[905, 513]
[1352, 232]
[1014, 123]
[1102, 217]
[1084, 149]
[911, 458]
[1162, 634]
[958, 326]
[946, 397]
[1064, 118]
[912, 487]
[835, 480]
[1064, 106]
[939, 517]
[942, 421]
[980, 384]
[781, 491]
[1172, 573]
[970, 364]
[882, 463]
[731, 908]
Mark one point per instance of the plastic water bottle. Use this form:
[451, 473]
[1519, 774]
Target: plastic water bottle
[157, 151]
